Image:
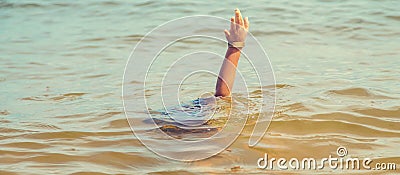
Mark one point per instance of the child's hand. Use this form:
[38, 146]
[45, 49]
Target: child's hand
[239, 28]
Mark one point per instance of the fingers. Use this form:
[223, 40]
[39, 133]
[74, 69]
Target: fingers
[238, 18]
[233, 24]
[246, 23]
[227, 33]
[238, 22]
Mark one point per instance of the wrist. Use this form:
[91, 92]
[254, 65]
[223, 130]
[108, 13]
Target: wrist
[234, 49]
[233, 54]
[236, 44]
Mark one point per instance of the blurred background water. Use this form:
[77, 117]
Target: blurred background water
[336, 64]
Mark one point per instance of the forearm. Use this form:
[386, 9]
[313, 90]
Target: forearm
[236, 37]
[227, 72]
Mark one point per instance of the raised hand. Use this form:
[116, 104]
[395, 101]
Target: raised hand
[236, 37]
[239, 28]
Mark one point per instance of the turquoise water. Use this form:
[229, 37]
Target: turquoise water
[61, 66]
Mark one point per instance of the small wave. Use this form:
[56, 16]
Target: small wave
[4, 130]
[360, 92]
[31, 5]
[73, 116]
[296, 107]
[180, 130]
[136, 82]
[388, 113]
[118, 143]
[85, 47]
[109, 3]
[133, 38]
[397, 18]
[41, 126]
[282, 86]
[95, 76]
[71, 134]
[375, 122]
[362, 21]
[117, 124]
[306, 127]
[118, 159]
[19, 5]
[281, 10]
[191, 133]
[273, 33]
[142, 4]
[27, 145]
[278, 86]
[67, 96]
[93, 39]
[89, 173]
[5, 112]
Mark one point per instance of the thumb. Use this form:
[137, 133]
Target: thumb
[227, 34]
